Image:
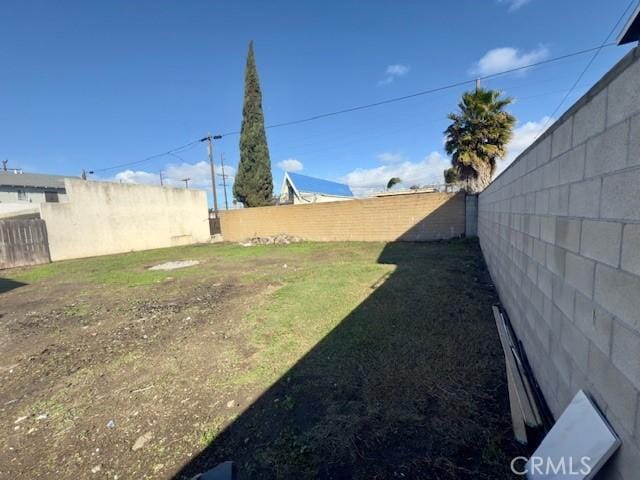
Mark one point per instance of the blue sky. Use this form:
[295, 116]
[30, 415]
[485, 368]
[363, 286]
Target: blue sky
[96, 84]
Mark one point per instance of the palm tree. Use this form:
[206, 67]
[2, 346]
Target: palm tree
[393, 181]
[478, 136]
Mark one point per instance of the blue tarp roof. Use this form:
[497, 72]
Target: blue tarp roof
[317, 185]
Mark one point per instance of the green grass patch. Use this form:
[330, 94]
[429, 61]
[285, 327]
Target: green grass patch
[211, 430]
[309, 305]
[132, 269]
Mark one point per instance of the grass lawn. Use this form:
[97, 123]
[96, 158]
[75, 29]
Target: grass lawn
[311, 360]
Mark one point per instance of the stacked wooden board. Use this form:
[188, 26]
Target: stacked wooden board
[528, 422]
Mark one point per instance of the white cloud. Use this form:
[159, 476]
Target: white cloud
[388, 157]
[523, 136]
[394, 71]
[506, 58]
[367, 181]
[385, 81]
[199, 175]
[398, 70]
[291, 165]
[131, 176]
[514, 4]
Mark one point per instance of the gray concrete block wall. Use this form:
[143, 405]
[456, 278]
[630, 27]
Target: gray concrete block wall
[471, 216]
[560, 231]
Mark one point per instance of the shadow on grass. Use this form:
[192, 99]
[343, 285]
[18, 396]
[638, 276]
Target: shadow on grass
[7, 285]
[411, 384]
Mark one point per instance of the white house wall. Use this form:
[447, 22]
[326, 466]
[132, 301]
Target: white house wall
[316, 198]
[33, 195]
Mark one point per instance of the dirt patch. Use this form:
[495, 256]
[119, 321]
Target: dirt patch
[83, 382]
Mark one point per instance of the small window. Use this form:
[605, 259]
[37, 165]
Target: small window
[22, 195]
[51, 197]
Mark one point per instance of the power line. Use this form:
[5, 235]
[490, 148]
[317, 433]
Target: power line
[173, 152]
[427, 92]
[373, 104]
[327, 143]
[584, 70]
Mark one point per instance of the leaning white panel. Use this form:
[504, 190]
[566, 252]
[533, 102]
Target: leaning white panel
[577, 446]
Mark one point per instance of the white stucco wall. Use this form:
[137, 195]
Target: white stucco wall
[101, 218]
[8, 210]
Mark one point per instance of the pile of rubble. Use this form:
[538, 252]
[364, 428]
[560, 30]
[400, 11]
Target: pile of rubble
[281, 239]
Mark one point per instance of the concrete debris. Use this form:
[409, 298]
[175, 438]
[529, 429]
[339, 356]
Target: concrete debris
[281, 239]
[175, 265]
[141, 441]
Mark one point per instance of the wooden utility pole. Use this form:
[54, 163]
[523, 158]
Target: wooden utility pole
[161, 180]
[224, 182]
[186, 182]
[213, 174]
[209, 139]
[477, 84]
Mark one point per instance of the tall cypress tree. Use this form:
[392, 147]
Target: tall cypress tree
[253, 185]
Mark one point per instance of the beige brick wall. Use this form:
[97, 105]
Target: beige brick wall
[560, 231]
[415, 217]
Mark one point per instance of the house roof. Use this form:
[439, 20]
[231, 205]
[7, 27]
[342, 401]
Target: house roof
[305, 184]
[631, 31]
[11, 179]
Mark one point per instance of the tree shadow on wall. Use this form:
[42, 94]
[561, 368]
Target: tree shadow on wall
[411, 384]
